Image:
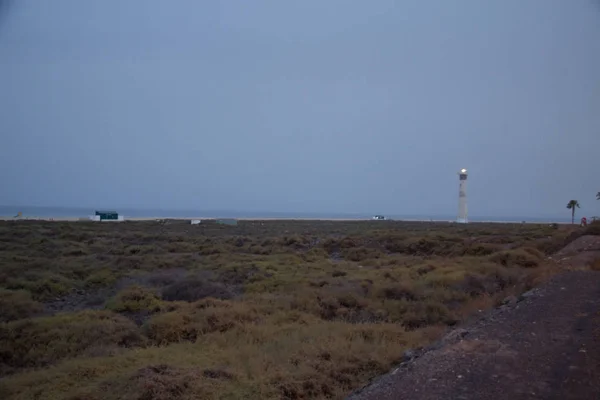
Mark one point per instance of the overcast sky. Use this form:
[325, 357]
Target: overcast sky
[307, 106]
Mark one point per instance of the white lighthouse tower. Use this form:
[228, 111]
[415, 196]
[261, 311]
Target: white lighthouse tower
[462, 197]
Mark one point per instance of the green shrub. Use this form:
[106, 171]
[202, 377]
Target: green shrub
[134, 299]
[41, 341]
[361, 253]
[102, 277]
[171, 327]
[523, 257]
[482, 249]
[42, 285]
[192, 289]
[595, 265]
[17, 304]
[337, 273]
[421, 314]
[490, 282]
[205, 316]
[397, 292]
[425, 246]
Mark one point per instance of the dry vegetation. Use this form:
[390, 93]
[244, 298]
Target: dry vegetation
[272, 309]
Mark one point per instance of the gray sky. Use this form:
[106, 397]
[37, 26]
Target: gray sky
[308, 106]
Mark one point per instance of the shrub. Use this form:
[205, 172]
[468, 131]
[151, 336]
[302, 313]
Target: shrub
[482, 249]
[41, 341]
[134, 299]
[295, 242]
[361, 253]
[350, 300]
[315, 254]
[534, 252]
[421, 314]
[160, 382]
[238, 275]
[193, 288]
[328, 307]
[397, 292]
[17, 304]
[171, 327]
[526, 258]
[332, 245]
[42, 285]
[490, 283]
[258, 249]
[425, 269]
[102, 277]
[197, 319]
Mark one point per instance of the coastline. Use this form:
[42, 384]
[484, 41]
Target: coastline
[139, 219]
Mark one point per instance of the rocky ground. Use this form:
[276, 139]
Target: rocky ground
[542, 345]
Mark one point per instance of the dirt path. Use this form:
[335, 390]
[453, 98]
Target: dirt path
[546, 346]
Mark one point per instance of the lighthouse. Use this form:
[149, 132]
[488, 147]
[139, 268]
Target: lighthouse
[462, 197]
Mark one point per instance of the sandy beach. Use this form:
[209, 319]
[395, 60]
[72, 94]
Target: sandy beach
[83, 219]
[77, 219]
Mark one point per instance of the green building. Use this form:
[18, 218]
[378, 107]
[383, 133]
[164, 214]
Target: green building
[107, 215]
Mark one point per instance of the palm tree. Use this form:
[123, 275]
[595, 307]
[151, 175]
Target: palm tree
[572, 205]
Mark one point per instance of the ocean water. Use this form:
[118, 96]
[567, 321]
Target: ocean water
[46, 212]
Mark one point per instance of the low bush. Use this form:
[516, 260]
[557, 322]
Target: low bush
[160, 382]
[17, 304]
[361, 253]
[420, 314]
[426, 246]
[101, 277]
[41, 341]
[425, 269]
[42, 285]
[523, 257]
[134, 299]
[194, 288]
[187, 323]
[482, 249]
[397, 292]
[595, 265]
[491, 283]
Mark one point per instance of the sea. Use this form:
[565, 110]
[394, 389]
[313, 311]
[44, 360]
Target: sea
[73, 212]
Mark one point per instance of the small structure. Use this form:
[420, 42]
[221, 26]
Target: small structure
[379, 217]
[195, 221]
[106, 216]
